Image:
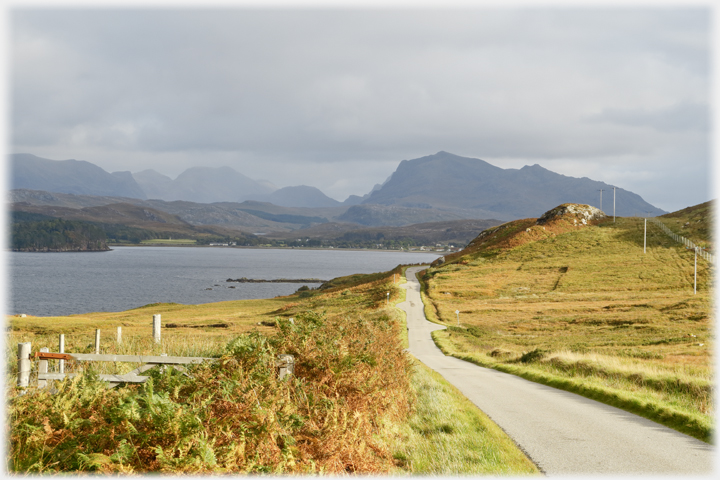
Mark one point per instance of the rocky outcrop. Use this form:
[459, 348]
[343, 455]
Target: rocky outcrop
[576, 213]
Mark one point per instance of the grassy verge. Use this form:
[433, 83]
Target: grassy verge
[429, 307]
[633, 395]
[448, 435]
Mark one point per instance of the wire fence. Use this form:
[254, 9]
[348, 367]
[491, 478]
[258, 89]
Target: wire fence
[680, 239]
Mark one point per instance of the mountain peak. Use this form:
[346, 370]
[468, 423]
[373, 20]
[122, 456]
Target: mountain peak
[77, 177]
[479, 189]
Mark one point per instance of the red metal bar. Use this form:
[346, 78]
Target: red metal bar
[52, 356]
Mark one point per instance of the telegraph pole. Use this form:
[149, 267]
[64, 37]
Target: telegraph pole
[613, 204]
[645, 236]
[601, 190]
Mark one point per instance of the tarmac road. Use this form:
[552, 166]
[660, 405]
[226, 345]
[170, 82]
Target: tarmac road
[563, 433]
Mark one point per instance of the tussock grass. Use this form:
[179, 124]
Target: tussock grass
[602, 317]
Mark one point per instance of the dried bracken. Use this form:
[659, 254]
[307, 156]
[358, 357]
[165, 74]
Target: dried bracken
[235, 414]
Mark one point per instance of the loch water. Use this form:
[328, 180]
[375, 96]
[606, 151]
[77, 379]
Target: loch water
[51, 284]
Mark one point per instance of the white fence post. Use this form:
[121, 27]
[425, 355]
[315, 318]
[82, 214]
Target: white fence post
[61, 349]
[24, 364]
[286, 365]
[42, 368]
[119, 335]
[97, 342]
[156, 328]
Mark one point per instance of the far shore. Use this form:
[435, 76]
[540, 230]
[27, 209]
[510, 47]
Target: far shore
[275, 247]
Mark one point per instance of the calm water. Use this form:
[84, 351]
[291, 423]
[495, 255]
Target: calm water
[47, 284]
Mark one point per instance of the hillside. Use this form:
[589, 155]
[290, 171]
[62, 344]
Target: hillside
[456, 232]
[55, 235]
[693, 223]
[571, 300]
[142, 222]
[248, 216]
[454, 183]
[373, 215]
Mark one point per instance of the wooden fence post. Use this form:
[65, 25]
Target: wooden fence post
[42, 368]
[24, 364]
[156, 328]
[119, 335]
[61, 349]
[97, 342]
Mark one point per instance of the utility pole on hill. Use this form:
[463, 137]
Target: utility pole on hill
[613, 204]
[601, 190]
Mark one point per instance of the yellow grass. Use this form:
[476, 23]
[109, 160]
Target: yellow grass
[587, 296]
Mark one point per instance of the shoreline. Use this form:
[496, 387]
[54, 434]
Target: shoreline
[259, 247]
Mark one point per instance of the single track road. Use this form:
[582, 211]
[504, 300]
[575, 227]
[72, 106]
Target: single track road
[563, 433]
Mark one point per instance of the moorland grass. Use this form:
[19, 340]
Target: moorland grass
[603, 318]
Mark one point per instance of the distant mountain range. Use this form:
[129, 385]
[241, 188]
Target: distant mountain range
[440, 187]
[201, 185]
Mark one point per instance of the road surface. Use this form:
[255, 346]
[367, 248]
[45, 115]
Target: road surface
[563, 433]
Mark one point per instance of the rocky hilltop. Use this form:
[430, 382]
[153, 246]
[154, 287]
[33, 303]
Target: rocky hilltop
[558, 220]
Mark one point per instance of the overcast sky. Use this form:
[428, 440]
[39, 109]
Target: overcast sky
[337, 98]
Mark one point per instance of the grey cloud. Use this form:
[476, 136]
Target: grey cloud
[321, 86]
[679, 117]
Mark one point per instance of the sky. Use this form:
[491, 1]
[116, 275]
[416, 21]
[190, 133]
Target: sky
[336, 98]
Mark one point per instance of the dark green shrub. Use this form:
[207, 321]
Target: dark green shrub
[532, 356]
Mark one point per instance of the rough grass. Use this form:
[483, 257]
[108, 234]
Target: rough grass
[448, 435]
[694, 223]
[600, 314]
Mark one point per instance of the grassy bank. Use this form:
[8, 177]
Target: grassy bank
[585, 310]
[355, 404]
[448, 435]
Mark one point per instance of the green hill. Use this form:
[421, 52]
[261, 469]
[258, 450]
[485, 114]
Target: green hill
[580, 306]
